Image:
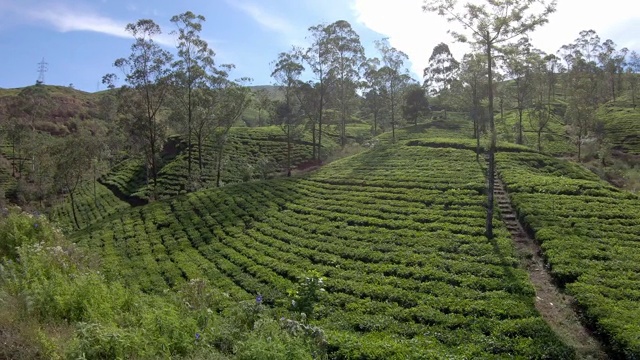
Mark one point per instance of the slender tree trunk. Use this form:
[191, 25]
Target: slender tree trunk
[289, 150]
[579, 147]
[189, 119]
[393, 122]
[313, 140]
[219, 163]
[375, 122]
[154, 171]
[200, 165]
[520, 137]
[492, 147]
[73, 209]
[539, 142]
[320, 120]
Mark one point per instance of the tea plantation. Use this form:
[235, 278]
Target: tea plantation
[589, 233]
[250, 153]
[396, 234]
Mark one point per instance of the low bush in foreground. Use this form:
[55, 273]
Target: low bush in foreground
[55, 304]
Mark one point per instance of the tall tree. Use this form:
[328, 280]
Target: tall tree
[441, 70]
[318, 58]
[374, 98]
[416, 104]
[74, 157]
[286, 71]
[582, 104]
[543, 82]
[492, 24]
[234, 100]
[394, 78]
[633, 74]
[190, 70]
[473, 78]
[346, 55]
[263, 103]
[518, 61]
[612, 62]
[146, 71]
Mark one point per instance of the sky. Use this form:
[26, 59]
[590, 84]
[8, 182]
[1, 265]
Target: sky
[80, 39]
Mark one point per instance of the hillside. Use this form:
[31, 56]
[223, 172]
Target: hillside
[396, 234]
[61, 106]
[250, 153]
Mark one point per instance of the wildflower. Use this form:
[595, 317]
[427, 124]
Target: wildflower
[259, 299]
[35, 225]
[197, 336]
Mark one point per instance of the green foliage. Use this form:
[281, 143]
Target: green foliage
[251, 153]
[55, 286]
[396, 234]
[588, 231]
[306, 294]
[17, 230]
[91, 207]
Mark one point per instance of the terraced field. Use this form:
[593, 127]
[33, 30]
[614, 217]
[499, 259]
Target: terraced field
[250, 153]
[397, 233]
[622, 125]
[92, 206]
[590, 235]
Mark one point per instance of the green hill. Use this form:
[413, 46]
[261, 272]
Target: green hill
[396, 234]
[250, 153]
[621, 125]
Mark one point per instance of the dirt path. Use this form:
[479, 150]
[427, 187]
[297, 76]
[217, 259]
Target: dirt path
[554, 306]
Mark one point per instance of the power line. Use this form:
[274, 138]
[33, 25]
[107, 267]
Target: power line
[42, 68]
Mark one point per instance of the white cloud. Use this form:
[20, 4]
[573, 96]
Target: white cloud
[67, 19]
[416, 33]
[263, 17]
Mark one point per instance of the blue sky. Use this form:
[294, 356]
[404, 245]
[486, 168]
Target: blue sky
[80, 39]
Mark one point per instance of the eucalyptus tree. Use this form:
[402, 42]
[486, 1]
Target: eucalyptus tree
[612, 62]
[74, 156]
[473, 90]
[583, 100]
[309, 102]
[317, 57]
[147, 71]
[233, 99]
[190, 69]
[518, 62]
[287, 70]
[441, 71]
[263, 103]
[544, 69]
[374, 97]
[346, 55]
[394, 78]
[633, 75]
[491, 24]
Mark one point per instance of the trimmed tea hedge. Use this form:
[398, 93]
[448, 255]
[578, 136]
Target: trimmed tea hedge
[590, 234]
[397, 234]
